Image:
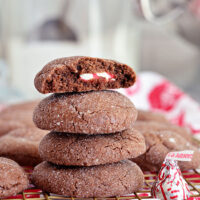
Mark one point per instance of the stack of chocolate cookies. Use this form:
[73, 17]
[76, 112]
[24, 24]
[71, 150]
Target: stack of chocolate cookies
[92, 136]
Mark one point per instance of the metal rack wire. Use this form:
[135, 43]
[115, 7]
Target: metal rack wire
[192, 177]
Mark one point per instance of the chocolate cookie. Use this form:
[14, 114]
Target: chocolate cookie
[144, 115]
[144, 126]
[12, 178]
[87, 150]
[86, 113]
[21, 113]
[80, 74]
[21, 145]
[9, 125]
[26, 105]
[98, 181]
[159, 143]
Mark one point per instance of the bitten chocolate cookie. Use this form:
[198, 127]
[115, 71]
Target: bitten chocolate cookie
[115, 179]
[20, 113]
[159, 143]
[9, 125]
[12, 178]
[88, 150]
[21, 145]
[144, 126]
[94, 112]
[144, 115]
[80, 74]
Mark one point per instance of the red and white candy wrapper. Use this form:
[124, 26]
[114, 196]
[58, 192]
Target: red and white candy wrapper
[170, 184]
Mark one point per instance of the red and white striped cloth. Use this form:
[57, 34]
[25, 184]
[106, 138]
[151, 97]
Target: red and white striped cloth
[154, 92]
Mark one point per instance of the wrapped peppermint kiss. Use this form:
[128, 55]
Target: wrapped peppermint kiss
[170, 183]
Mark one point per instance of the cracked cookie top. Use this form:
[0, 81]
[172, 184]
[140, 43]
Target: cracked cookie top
[21, 145]
[80, 74]
[144, 126]
[96, 112]
[114, 179]
[12, 178]
[17, 116]
[88, 150]
[159, 143]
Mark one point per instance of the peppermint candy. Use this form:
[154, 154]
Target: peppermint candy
[170, 183]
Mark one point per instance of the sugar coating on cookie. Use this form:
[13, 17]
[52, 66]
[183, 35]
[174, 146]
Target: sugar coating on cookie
[144, 126]
[12, 178]
[88, 150]
[21, 145]
[95, 112]
[114, 179]
[144, 115]
[80, 73]
[8, 125]
[159, 143]
[20, 114]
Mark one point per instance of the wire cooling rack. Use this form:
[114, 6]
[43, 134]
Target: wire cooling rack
[192, 177]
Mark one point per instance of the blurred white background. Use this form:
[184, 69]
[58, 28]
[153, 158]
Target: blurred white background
[33, 32]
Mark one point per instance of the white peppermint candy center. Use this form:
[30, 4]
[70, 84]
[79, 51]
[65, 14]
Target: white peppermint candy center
[90, 76]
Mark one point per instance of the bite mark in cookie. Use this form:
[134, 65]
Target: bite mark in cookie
[80, 74]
